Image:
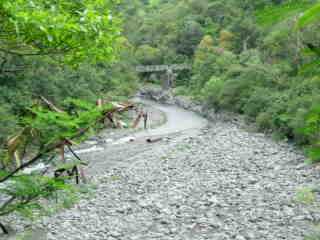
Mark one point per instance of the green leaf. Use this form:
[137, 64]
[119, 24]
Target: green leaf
[275, 14]
[38, 27]
[314, 154]
[310, 16]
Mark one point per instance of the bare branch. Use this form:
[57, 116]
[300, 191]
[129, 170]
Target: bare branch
[51, 105]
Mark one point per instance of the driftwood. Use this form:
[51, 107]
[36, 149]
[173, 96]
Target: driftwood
[137, 120]
[141, 114]
[149, 140]
[4, 229]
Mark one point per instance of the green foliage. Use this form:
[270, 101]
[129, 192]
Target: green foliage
[54, 126]
[274, 14]
[22, 192]
[212, 90]
[257, 102]
[8, 123]
[306, 196]
[313, 237]
[209, 61]
[225, 39]
[79, 30]
[258, 58]
[241, 83]
[312, 130]
[44, 77]
[41, 43]
[148, 55]
[258, 69]
[263, 121]
[181, 91]
[315, 233]
[26, 191]
[188, 37]
[311, 15]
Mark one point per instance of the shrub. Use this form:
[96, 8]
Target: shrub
[181, 91]
[278, 112]
[258, 102]
[298, 109]
[264, 121]
[147, 54]
[242, 82]
[312, 130]
[251, 56]
[210, 61]
[212, 89]
[225, 39]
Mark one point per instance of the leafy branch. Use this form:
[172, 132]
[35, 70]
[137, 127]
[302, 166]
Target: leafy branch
[54, 128]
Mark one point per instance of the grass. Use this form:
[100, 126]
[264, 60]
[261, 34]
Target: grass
[306, 196]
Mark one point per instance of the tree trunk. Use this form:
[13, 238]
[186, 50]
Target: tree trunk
[245, 44]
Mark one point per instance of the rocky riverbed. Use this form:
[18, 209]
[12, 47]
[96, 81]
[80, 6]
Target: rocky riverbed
[221, 184]
[210, 181]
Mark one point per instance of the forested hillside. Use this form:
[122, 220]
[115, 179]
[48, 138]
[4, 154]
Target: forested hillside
[258, 58]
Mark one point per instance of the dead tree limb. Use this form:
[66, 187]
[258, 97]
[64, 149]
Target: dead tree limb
[137, 120]
[4, 229]
[82, 175]
[51, 105]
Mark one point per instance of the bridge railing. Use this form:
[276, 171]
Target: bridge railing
[161, 68]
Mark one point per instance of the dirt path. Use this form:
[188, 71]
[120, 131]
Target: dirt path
[200, 182]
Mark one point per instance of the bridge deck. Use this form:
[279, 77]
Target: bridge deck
[161, 68]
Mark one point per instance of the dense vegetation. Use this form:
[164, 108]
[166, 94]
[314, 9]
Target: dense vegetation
[57, 53]
[258, 58]
[58, 50]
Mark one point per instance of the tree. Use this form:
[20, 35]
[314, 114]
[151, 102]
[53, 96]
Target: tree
[74, 30]
[48, 36]
[225, 39]
[148, 55]
[189, 36]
